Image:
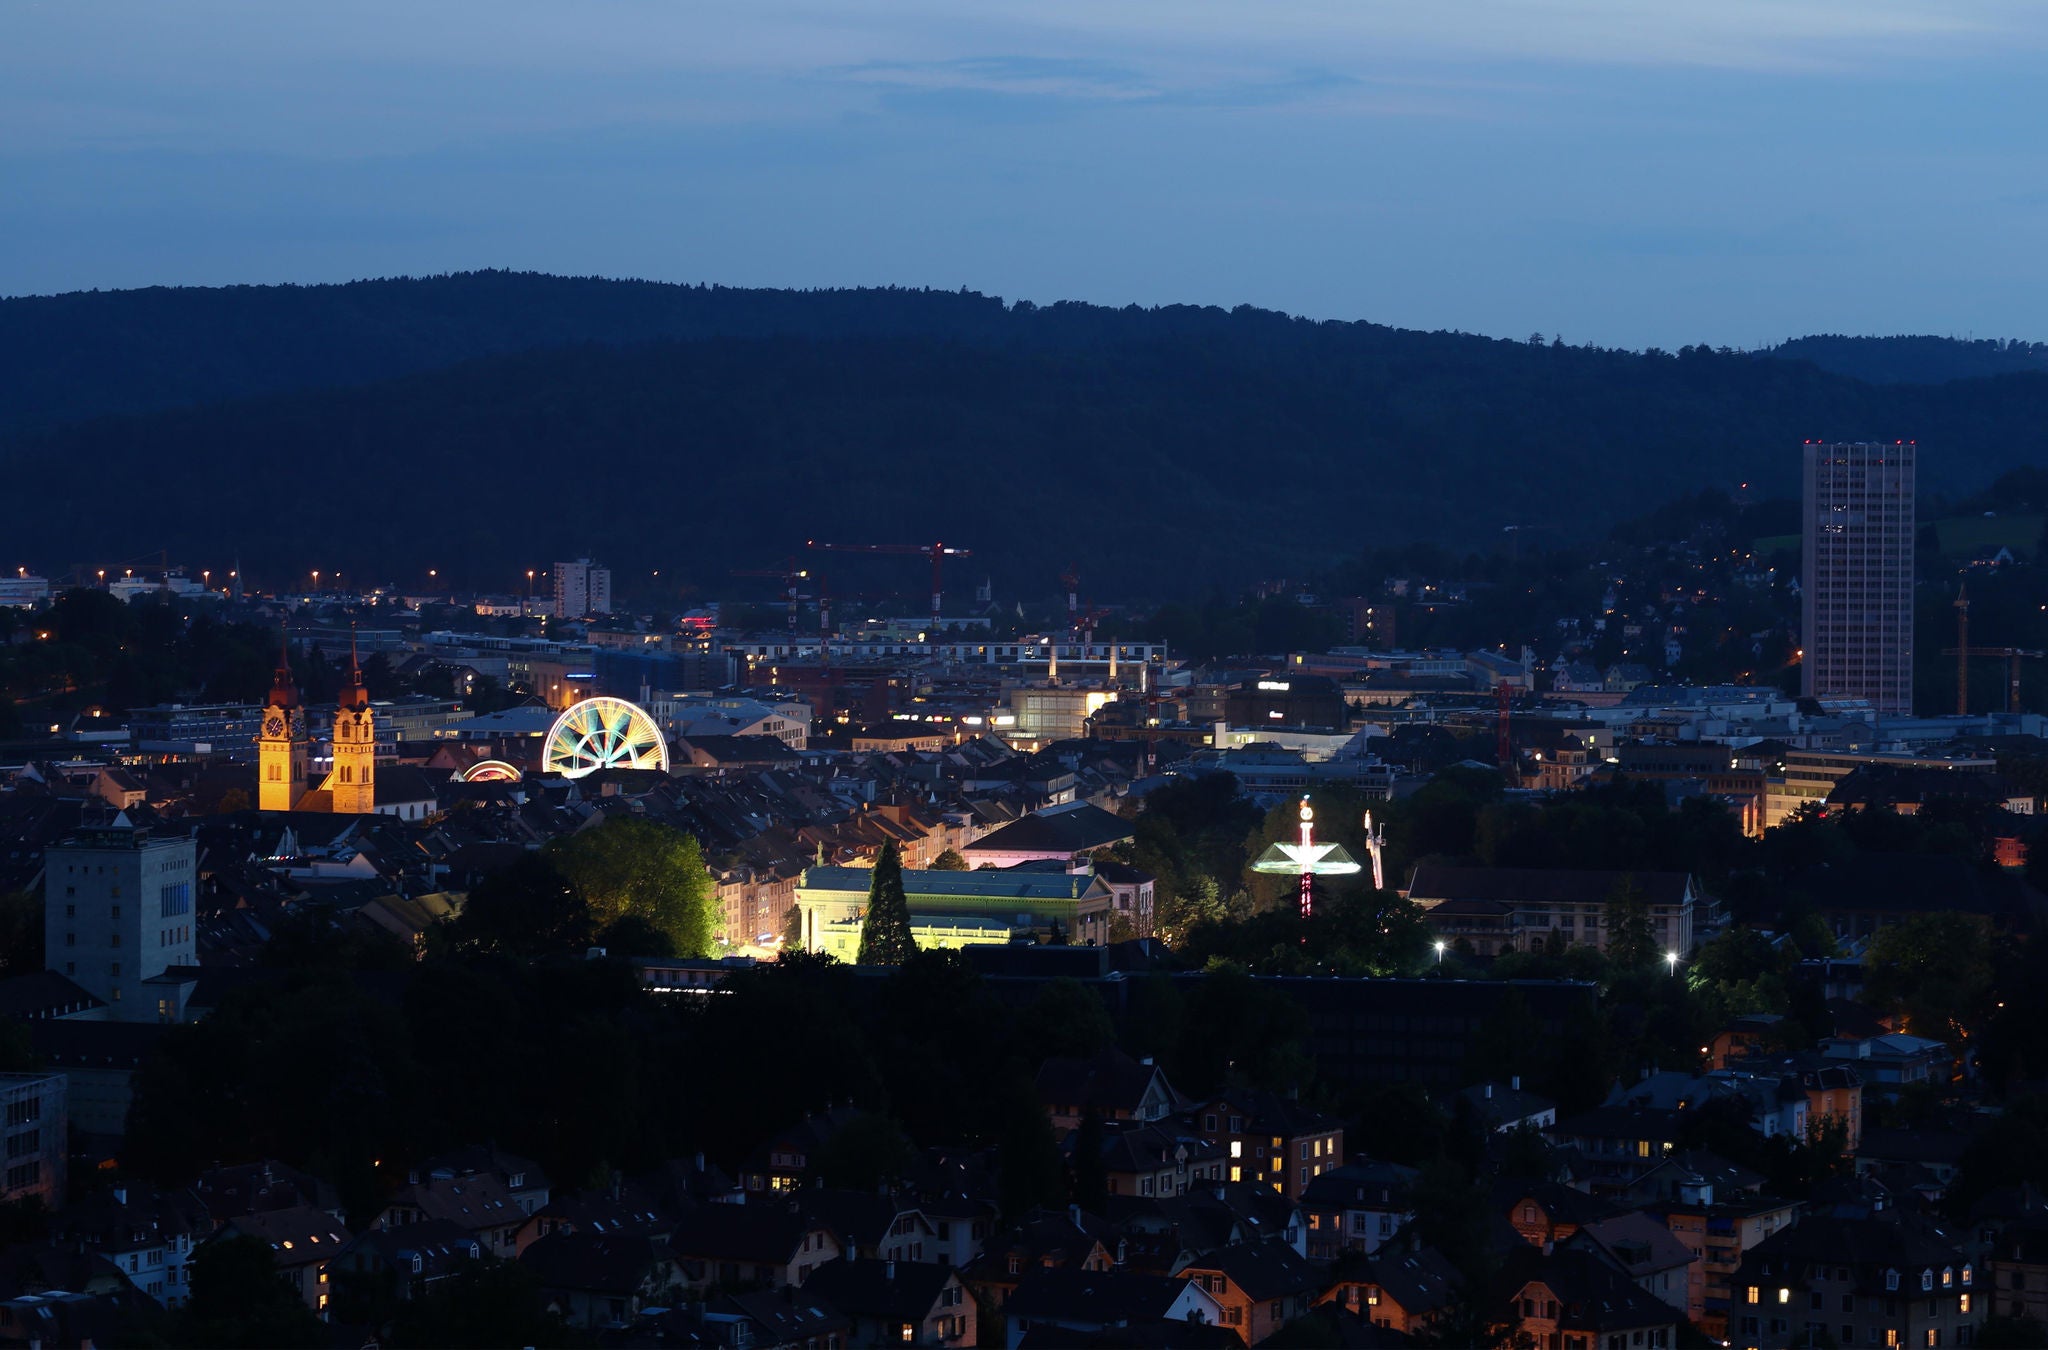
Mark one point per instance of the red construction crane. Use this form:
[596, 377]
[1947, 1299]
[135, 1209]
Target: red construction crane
[938, 553]
[789, 574]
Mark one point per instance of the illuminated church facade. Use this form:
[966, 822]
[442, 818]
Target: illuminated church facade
[284, 749]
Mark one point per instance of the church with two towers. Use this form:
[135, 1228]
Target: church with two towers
[284, 749]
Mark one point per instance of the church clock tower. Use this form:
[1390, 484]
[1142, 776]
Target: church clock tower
[282, 749]
[353, 782]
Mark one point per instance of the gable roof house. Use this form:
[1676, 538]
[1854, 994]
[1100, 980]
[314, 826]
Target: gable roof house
[767, 1244]
[1066, 834]
[1644, 1250]
[602, 1279]
[1406, 1291]
[1044, 1240]
[894, 1303]
[1571, 1298]
[479, 1204]
[1261, 1286]
[401, 1263]
[1357, 1207]
[1079, 1306]
[302, 1240]
[1111, 1084]
[1144, 1159]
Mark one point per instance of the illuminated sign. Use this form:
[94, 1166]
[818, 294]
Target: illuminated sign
[1275, 686]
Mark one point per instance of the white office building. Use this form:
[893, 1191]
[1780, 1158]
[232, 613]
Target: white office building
[117, 910]
[582, 589]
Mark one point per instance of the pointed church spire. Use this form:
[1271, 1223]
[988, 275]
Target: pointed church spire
[353, 695]
[284, 693]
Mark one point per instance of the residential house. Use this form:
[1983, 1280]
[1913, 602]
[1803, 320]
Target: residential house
[893, 1303]
[1504, 1107]
[1719, 1211]
[1144, 1159]
[1546, 1212]
[1109, 1084]
[399, 1263]
[1082, 1305]
[524, 1181]
[780, 1162]
[599, 1280]
[1066, 834]
[1889, 1064]
[1044, 1240]
[1645, 1250]
[2016, 1284]
[1571, 1300]
[1862, 1276]
[477, 1203]
[871, 1225]
[1130, 910]
[1272, 1139]
[1358, 1207]
[766, 1244]
[254, 1188]
[774, 1319]
[1617, 1145]
[1162, 1235]
[1409, 1291]
[302, 1241]
[1926, 1158]
[1261, 1286]
[144, 1232]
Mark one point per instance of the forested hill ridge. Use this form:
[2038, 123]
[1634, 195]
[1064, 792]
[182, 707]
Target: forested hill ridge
[1915, 360]
[65, 358]
[482, 422]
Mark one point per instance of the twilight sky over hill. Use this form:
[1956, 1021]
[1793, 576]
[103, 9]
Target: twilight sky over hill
[1734, 171]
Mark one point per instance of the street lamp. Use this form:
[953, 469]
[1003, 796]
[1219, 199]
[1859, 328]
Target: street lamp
[1440, 944]
[1671, 960]
[316, 579]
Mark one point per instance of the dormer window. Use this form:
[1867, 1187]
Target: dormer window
[1891, 1281]
[1966, 1277]
[1927, 1280]
[1948, 1277]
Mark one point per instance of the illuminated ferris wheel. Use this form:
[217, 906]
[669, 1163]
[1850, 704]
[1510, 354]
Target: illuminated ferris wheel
[603, 733]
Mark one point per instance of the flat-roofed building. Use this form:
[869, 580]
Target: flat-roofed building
[1857, 573]
[117, 910]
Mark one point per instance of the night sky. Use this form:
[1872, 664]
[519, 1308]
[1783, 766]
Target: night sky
[1616, 171]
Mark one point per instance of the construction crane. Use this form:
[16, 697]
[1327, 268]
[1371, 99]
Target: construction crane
[938, 553]
[789, 574]
[1963, 651]
[1071, 579]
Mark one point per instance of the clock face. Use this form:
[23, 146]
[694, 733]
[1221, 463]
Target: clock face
[273, 725]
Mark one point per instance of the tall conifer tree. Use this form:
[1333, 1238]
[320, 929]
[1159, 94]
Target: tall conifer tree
[885, 933]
